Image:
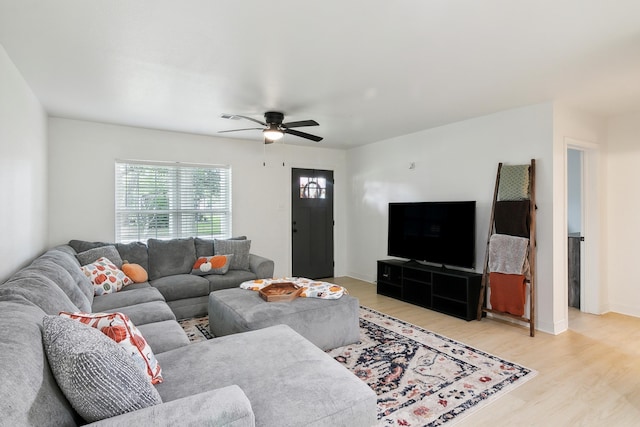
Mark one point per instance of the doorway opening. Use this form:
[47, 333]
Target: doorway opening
[582, 226]
[574, 226]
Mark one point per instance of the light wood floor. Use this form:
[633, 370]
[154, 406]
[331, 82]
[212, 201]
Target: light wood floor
[587, 376]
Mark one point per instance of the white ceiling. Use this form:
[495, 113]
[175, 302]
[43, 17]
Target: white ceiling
[365, 70]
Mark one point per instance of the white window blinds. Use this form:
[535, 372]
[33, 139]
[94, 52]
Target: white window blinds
[165, 201]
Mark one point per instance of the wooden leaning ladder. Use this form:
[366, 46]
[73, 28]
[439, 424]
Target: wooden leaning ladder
[482, 308]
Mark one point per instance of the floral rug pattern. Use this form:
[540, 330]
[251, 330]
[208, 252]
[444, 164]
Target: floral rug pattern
[197, 328]
[421, 378]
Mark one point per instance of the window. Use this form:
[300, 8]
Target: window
[313, 188]
[165, 201]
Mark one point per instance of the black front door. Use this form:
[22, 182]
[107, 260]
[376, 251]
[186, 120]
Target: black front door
[312, 223]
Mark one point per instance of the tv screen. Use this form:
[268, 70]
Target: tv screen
[433, 232]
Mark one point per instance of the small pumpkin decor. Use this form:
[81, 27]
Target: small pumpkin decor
[119, 328]
[135, 272]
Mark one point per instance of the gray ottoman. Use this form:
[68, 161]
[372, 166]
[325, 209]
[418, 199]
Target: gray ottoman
[326, 323]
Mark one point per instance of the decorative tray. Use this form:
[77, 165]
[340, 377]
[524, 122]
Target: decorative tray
[283, 291]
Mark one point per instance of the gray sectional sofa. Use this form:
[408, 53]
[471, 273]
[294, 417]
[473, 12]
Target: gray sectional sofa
[169, 263]
[268, 377]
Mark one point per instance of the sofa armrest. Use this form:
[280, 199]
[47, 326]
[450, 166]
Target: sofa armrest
[261, 266]
[227, 406]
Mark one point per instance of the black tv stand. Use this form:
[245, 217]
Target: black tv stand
[438, 288]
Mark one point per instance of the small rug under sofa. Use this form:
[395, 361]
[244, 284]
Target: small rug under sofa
[421, 378]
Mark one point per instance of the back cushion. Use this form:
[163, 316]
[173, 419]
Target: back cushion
[204, 247]
[134, 253]
[34, 286]
[63, 279]
[169, 257]
[83, 245]
[30, 394]
[65, 257]
[92, 255]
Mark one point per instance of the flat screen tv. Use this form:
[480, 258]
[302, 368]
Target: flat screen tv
[434, 232]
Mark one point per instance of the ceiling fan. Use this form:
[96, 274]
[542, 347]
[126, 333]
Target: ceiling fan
[273, 128]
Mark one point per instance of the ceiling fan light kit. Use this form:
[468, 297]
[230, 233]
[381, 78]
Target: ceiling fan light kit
[274, 129]
[272, 132]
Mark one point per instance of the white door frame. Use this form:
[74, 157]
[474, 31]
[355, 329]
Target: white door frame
[591, 283]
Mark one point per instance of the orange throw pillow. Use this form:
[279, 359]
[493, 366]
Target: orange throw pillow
[135, 272]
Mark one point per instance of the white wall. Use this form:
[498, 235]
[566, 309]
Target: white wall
[23, 170]
[623, 207]
[81, 164]
[453, 162]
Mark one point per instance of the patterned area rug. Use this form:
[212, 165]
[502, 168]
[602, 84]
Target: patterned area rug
[421, 378]
[197, 328]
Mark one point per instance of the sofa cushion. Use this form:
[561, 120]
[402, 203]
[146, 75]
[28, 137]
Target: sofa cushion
[126, 298]
[164, 336]
[63, 279]
[34, 286]
[105, 276]
[95, 374]
[204, 247]
[146, 312]
[68, 250]
[169, 257]
[281, 352]
[92, 255]
[30, 393]
[119, 328]
[65, 256]
[240, 250]
[232, 279]
[83, 245]
[181, 286]
[216, 264]
[135, 253]
[190, 307]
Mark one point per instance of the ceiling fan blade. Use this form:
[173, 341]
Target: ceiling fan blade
[303, 135]
[237, 130]
[300, 124]
[234, 116]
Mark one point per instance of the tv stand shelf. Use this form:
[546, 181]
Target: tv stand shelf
[448, 291]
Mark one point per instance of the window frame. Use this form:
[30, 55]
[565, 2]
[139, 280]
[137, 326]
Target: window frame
[175, 186]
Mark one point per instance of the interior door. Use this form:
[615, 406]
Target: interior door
[312, 223]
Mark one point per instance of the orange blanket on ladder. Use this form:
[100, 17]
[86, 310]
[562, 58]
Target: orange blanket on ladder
[508, 293]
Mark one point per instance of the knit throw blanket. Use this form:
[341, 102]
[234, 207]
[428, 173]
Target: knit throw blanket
[507, 254]
[311, 288]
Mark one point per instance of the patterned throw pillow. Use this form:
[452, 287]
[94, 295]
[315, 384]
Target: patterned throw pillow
[95, 374]
[217, 264]
[91, 255]
[105, 276]
[514, 182]
[118, 327]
